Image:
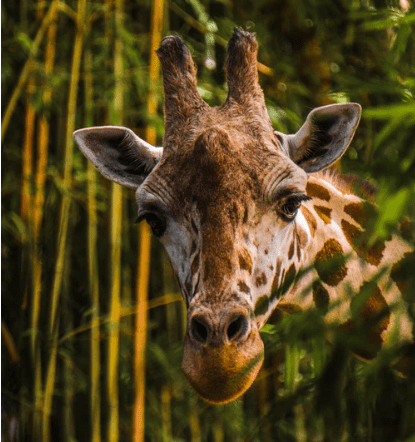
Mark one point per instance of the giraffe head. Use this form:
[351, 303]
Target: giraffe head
[222, 194]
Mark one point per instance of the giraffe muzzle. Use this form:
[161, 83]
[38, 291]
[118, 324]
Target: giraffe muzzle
[233, 328]
[222, 352]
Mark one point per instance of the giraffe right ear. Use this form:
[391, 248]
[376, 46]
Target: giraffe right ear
[323, 138]
[118, 153]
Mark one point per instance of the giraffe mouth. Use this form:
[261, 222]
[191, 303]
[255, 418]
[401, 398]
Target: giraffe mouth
[222, 373]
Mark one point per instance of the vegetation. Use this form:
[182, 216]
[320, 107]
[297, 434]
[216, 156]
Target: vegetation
[86, 356]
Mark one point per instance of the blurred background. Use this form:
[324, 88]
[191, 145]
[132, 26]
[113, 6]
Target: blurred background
[92, 319]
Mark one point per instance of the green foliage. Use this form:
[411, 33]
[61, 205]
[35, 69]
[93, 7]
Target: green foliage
[320, 52]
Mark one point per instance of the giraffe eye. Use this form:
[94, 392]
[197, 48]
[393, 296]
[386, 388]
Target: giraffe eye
[156, 222]
[291, 205]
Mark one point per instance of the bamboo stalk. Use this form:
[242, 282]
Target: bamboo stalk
[116, 225]
[95, 368]
[27, 172]
[115, 313]
[40, 9]
[40, 180]
[194, 424]
[166, 412]
[218, 432]
[145, 241]
[41, 399]
[27, 159]
[38, 396]
[68, 362]
[67, 175]
[64, 216]
[9, 342]
[49, 388]
[27, 68]
[127, 273]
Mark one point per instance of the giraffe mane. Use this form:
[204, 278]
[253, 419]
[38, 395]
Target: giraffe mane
[349, 184]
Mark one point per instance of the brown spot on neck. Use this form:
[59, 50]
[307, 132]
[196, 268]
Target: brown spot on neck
[276, 277]
[298, 251]
[329, 263]
[373, 312]
[321, 296]
[302, 236]
[288, 280]
[317, 191]
[261, 280]
[245, 261]
[261, 306]
[357, 212]
[324, 213]
[407, 229]
[288, 307]
[291, 250]
[401, 271]
[243, 287]
[311, 221]
[373, 254]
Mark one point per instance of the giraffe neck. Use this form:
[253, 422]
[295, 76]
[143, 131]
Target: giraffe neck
[333, 221]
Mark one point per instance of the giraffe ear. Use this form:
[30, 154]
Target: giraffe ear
[323, 138]
[118, 153]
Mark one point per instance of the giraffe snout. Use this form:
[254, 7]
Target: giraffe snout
[222, 351]
[234, 326]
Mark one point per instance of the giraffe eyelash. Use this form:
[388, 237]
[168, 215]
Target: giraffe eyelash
[289, 208]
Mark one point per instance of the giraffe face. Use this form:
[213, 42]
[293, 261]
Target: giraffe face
[227, 225]
[223, 195]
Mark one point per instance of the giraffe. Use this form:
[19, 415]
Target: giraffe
[241, 209]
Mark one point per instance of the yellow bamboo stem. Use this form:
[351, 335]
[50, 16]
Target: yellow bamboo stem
[42, 155]
[67, 175]
[68, 362]
[9, 342]
[27, 160]
[144, 240]
[95, 368]
[166, 412]
[116, 224]
[49, 388]
[38, 397]
[218, 432]
[64, 215]
[194, 424]
[41, 399]
[115, 313]
[27, 171]
[40, 9]
[27, 69]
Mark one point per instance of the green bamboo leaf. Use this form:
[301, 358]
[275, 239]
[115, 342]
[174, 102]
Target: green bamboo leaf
[394, 111]
[292, 363]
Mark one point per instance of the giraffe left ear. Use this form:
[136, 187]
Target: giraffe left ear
[324, 137]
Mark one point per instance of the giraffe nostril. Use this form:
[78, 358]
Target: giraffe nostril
[237, 328]
[199, 330]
